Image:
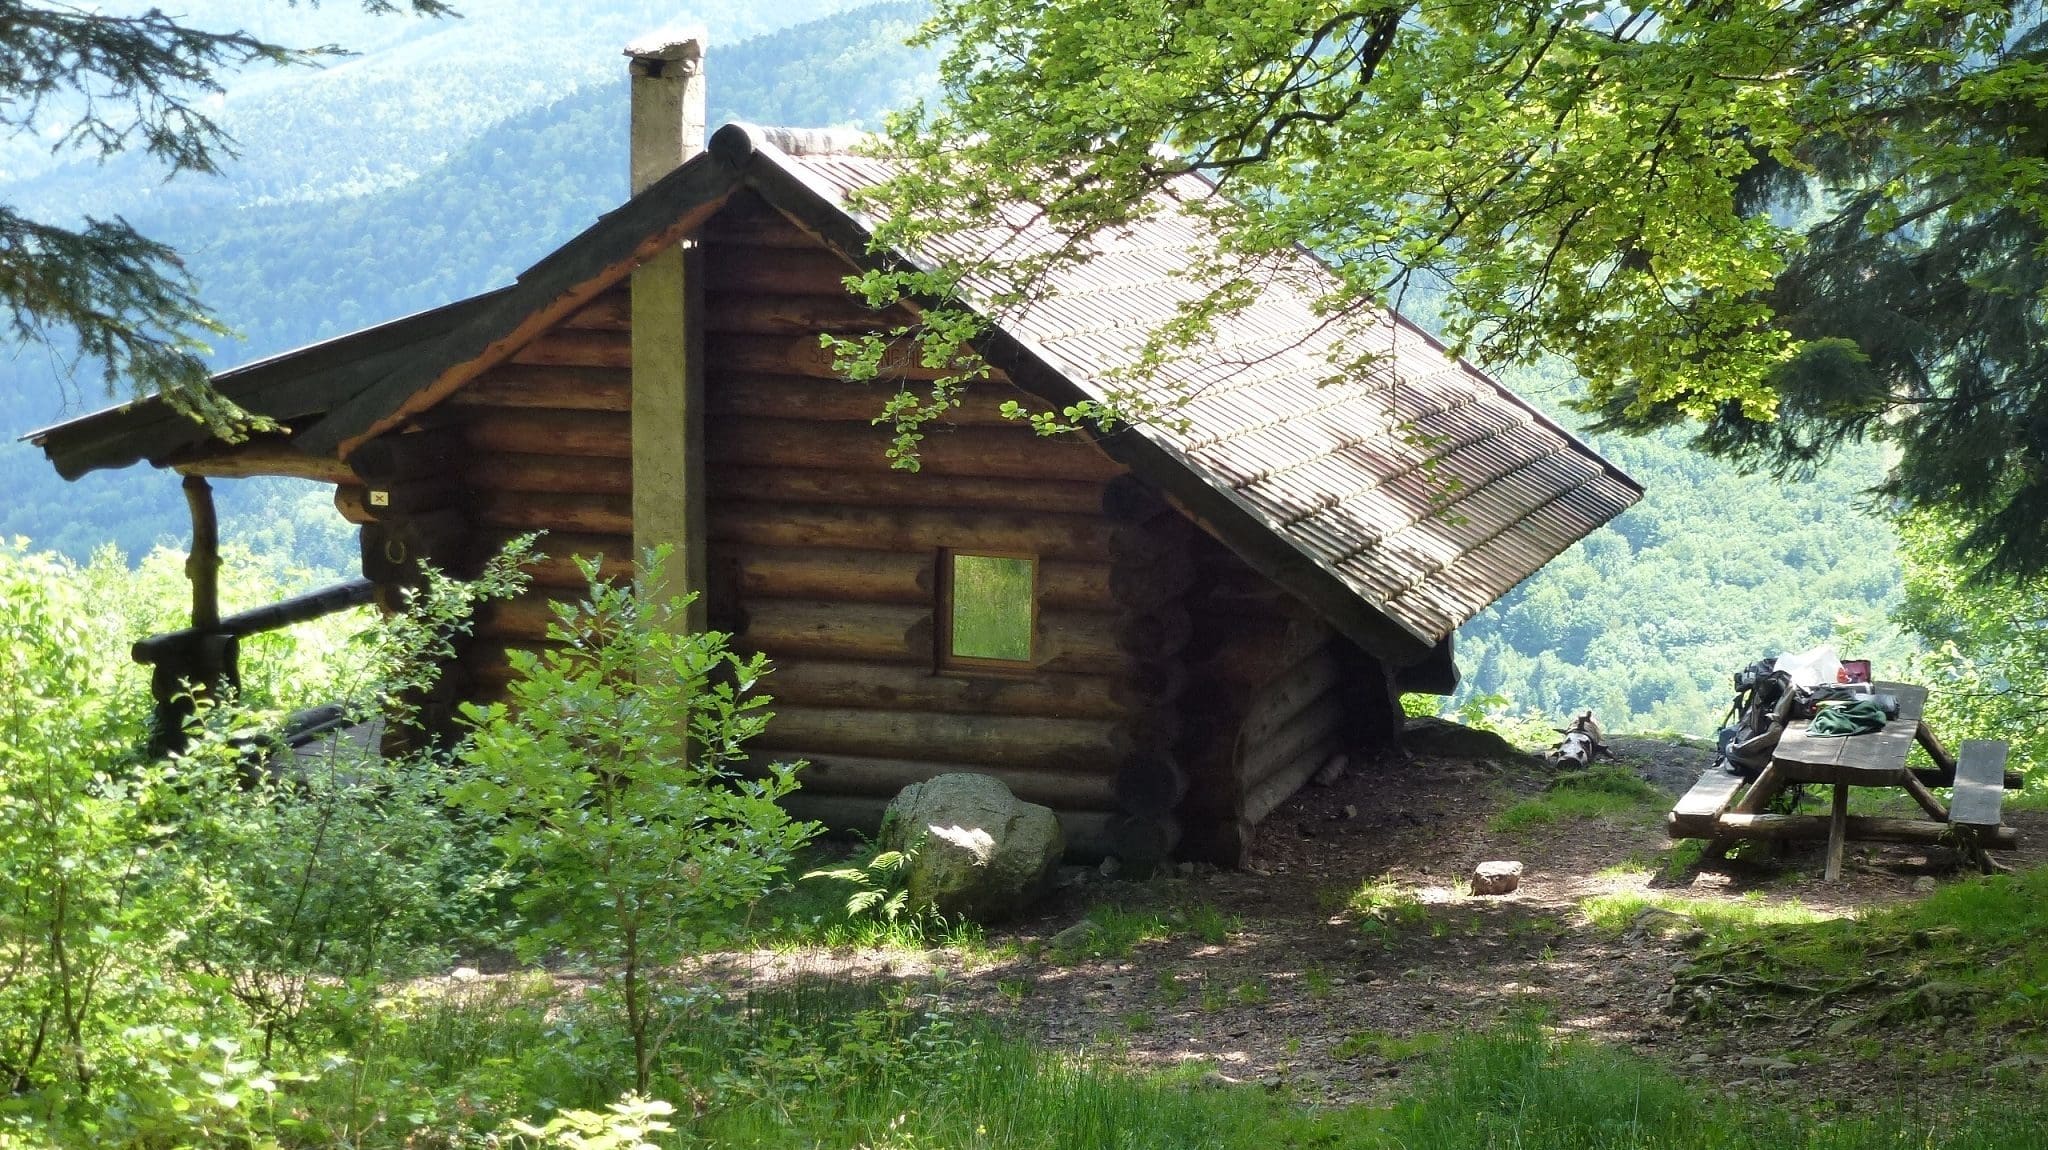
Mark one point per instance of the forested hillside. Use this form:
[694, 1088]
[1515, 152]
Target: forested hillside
[1645, 620]
[437, 165]
[287, 265]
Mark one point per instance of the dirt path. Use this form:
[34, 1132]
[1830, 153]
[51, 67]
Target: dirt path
[1300, 993]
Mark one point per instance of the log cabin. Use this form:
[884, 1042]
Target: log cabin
[1160, 631]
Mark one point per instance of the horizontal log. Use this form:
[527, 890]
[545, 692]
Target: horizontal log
[263, 457]
[1142, 843]
[522, 620]
[1149, 784]
[906, 577]
[1050, 536]
[1287, 694]
[805, 397]
[802, 354]
[1083, 745]
[353, 503]
[1091, 835]
[838, 312]
[408, 456]
[572, 347]
[831, 773]
[1142, 586]
[556, 568]
[533, 432]
[755, 269]
[1080, 641]
[612, 311]
[1318, 725]
[1253, 649]
[360, 505]
[560, 474]
[747, 220]
[1263, 798]
[255, 621]
[999, 452]
[488, 663]
[558, 388]
[1155, 633]
[789, 629]
[827, 683]
[900, 489]
[545, 511]
[1863, 827]
[1076, 642]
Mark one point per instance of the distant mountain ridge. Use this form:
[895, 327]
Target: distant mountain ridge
[289, 273]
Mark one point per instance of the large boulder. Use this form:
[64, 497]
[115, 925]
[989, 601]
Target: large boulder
[979, 851]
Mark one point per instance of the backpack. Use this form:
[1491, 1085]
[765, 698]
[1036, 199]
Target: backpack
[1765, 700]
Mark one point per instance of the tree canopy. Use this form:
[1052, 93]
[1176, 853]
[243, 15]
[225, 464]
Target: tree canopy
[1688, 201]
[102, 83]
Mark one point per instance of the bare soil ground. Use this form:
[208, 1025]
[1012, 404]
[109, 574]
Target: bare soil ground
[1299, 995]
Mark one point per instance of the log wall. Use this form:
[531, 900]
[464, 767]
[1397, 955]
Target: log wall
[1174, 693]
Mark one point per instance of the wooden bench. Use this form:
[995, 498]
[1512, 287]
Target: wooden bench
[1973, 808]
[1696, 813]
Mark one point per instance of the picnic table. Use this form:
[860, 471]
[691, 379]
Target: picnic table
[1725, 805]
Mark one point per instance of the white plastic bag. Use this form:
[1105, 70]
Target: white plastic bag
[1810, 668]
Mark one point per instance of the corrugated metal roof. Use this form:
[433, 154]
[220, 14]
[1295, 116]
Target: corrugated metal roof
[1419, 481]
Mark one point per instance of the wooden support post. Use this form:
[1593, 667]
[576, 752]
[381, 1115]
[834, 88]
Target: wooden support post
[1838, 832]
[202, 564]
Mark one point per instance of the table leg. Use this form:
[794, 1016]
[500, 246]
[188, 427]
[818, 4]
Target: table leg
[1838, 832]
[1924, 797]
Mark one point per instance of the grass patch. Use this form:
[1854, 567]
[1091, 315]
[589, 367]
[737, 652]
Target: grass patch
[1391, 1047]
[1973, 950]
[1615, 913]
[1519, 1088]
[1115, 931]
[1604, 791]
[1383, 908]
[826, 1065]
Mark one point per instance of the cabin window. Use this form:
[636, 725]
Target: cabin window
[989, 604]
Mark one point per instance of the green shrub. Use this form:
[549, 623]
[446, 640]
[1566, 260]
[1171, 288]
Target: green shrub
[611, 778]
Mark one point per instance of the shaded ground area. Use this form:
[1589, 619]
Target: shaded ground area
[1349, 948]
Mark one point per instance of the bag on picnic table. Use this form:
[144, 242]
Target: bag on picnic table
[1765, 700]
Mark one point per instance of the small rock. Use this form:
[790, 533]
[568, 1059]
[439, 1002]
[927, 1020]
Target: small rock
[465, 974]
[1187, 869]
[1331, 772]
[1270, 1081]
[1350, 811]
[1923, 885]
[1496, 877]
[1110, 866]
[1076, 937]
[1697, 1060]
[1771, 1067]
[1216, 1080]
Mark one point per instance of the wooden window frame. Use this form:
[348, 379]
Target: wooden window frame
[947, 661]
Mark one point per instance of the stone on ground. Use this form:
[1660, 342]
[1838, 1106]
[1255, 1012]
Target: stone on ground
[979, 851]
[1496, 877]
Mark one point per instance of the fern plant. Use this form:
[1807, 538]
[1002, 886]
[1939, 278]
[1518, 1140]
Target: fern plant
[881, 890]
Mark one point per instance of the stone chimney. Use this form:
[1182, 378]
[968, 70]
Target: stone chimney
[666, 73]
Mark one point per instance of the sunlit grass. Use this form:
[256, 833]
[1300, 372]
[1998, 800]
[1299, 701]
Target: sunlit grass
[1615, 913]
[1605, 791]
